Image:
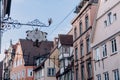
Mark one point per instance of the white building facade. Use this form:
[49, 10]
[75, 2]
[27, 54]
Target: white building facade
[106, 41]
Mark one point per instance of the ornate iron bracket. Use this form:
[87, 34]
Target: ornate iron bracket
[10, 23]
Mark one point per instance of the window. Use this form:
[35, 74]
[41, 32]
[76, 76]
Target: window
[82, 72]
[82, 49]
[97, 54]
[51, 72]
[116, 74]
[65, 49]
[89, 69]
[41, 59]
[86, 22]
[30, 72]
[75, 33]
[105, 0]
[105, 22]
[37, 62]
[88, 45]
[114, 45]
[76, 53]
[98, 77]
[18, 74]
[95, 1]
[114, 16]
[110, 18]
[80, 28]
[106, 76]
[104, 50]
[23, 73]
[76, 73]
[61, 63]
[42, 72]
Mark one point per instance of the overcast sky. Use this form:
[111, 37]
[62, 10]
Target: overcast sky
[28, 10]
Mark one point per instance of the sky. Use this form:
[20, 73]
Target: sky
[61, 12]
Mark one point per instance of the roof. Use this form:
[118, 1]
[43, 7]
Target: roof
[66, 39]
[30, 51]
[46, 57]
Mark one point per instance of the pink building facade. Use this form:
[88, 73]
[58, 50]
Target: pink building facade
[106, 41]
[82, 26]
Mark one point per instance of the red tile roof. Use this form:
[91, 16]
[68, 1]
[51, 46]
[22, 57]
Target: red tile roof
[66, 39]
[30, 51]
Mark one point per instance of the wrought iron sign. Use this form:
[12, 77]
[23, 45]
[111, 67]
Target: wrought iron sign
[10, 23]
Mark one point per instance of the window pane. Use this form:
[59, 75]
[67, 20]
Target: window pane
[80, 28]
[98, 77]
[76, 53]
[82, 49]
[51, 71]
[104, 50]
[97, 54]
[106, 76]
[82, 72]
[89, 69]
[116, 74]
[88, 45]
[114, 45]
[76, 74]
[75, 33]
[86, 22]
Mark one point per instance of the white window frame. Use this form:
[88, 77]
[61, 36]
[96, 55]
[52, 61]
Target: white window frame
[116, 74]
[97, 53]
[50, 75]
[104, 50]
[110, 18]
[106, 76]
[114, 16]
[29, 71]
[23, 73]
[114, 46]
[98, 77]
